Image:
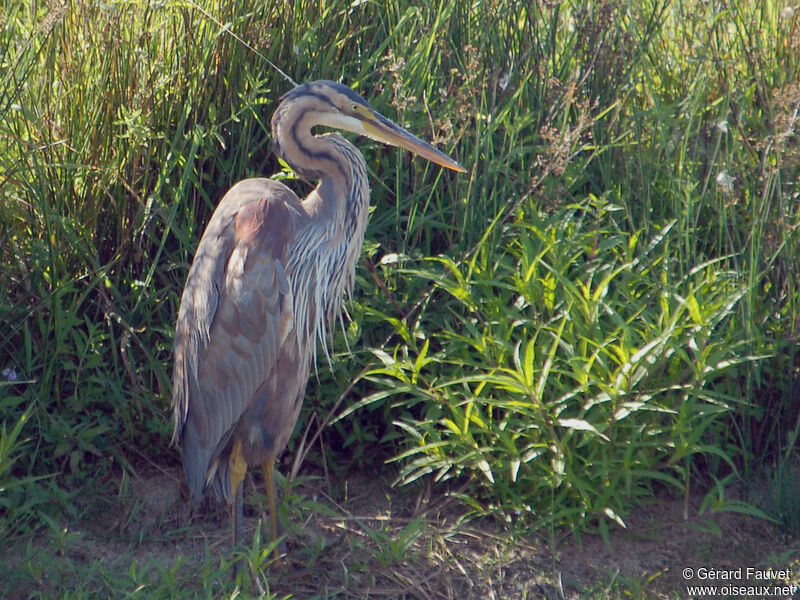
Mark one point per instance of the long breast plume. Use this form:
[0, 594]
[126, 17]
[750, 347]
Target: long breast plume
[323, 258]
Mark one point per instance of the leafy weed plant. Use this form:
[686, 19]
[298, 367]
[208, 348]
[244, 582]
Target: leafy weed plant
[587, 374]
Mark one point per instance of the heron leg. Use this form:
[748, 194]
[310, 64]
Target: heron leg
[268, 469]
[238, 469]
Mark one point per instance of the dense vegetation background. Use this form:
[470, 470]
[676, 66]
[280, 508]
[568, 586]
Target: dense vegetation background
[606, 308]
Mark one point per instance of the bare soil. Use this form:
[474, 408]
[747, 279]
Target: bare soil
[374, 540]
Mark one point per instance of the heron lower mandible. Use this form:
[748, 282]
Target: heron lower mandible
[267, 280]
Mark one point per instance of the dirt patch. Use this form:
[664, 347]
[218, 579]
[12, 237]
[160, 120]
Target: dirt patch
[368, 539]
[665, 539]
[447, 558]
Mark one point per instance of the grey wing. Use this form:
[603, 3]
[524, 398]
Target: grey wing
[236, 312]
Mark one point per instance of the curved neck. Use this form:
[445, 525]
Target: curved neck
[327, 247]
[329, 158]
[341, 199]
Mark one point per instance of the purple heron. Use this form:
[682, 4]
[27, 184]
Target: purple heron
[267, 280]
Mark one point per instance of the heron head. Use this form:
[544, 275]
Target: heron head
[337, 106]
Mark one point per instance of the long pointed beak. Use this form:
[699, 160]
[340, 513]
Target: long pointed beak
[383, 130]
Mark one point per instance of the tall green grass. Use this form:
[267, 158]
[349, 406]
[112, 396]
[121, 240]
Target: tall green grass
[606, 306]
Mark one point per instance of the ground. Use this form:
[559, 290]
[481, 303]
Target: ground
[375, 540]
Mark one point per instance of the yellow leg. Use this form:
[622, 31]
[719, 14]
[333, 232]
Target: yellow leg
[237, 465]
[268, 469]
[238, 469]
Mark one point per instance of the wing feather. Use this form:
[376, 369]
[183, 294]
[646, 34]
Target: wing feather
[235, 316]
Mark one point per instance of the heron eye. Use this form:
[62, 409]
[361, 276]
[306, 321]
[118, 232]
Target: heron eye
[355, 107]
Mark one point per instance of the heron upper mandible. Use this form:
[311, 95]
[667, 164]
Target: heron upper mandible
[267, 280]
